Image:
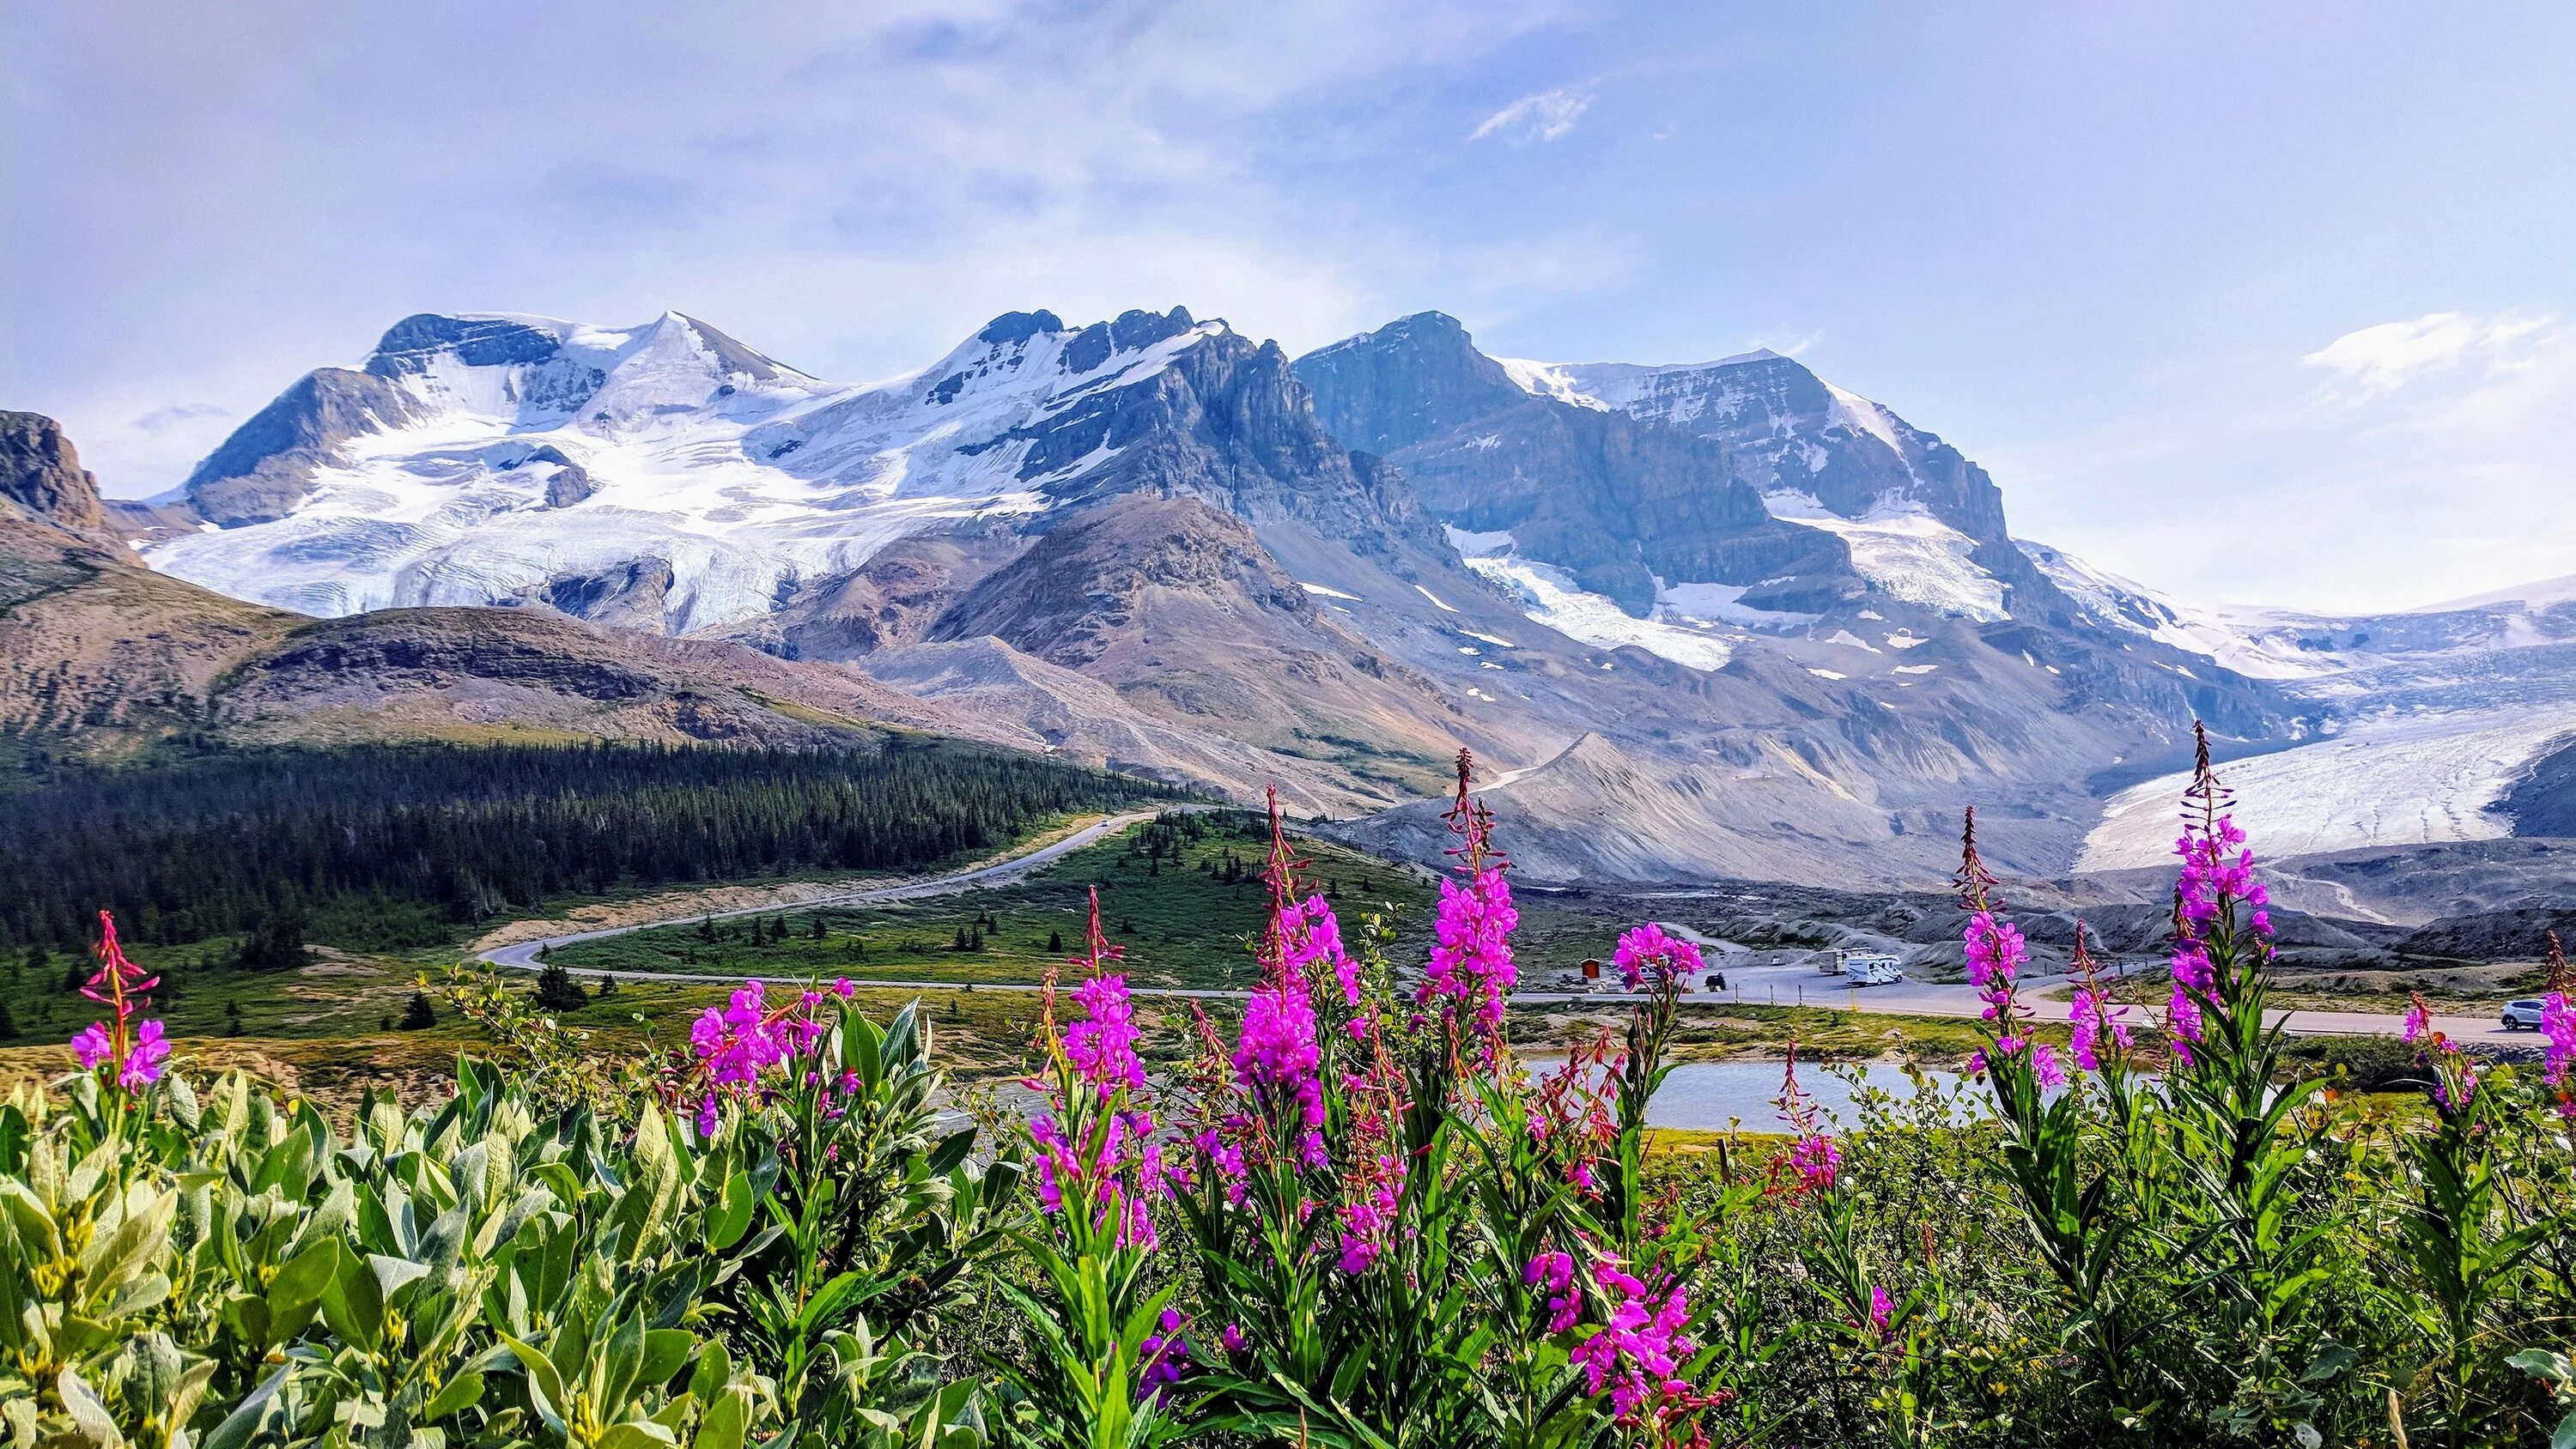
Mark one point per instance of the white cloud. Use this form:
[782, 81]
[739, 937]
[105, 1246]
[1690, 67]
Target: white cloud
[2390, 355]
[1541, 117]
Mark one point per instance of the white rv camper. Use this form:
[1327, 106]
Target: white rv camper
[1870, 968]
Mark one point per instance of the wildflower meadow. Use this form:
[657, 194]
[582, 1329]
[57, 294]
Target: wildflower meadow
[1353, 1214]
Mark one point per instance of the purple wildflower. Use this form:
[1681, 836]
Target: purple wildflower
[1277, 1057]
[1555, 1272]
[1102, 1044]
[1651, 950]
[1637, 1354]
[1471, 960]
[1815, 1156]
[1882, 1311]
[131, 1051]
[1166, 1357]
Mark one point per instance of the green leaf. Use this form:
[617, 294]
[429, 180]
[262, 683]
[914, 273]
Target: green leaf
[545, 1386]
[300, 1283]
[732, 1216]
[88, 1415]
[392, 1274]
[666, 1351]
[354, 1303]
[462, 1393]
[244, 1421]
[726, 1421]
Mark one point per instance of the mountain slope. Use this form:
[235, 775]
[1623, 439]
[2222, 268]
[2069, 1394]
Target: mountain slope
[1157, 507]
[101, 658]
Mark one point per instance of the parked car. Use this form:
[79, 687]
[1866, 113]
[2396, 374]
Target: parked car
[2522, 1014]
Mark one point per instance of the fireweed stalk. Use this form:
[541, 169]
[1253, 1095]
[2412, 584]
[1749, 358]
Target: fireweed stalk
[2558, 1028]
[1110, 1352]
[1875, 1327]
[125, 1053]
[2242, 1133]
[1320, 1208]
[2066, 1208]
[2467, 1263]
[1662, 965]
[1470, 971]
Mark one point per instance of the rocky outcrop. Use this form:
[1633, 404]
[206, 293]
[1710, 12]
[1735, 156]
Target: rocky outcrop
[1086, 580]
[1615, 501]
[41, 476]
[266, 467]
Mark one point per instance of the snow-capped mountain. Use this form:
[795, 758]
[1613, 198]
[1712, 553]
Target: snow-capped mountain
[1795, 622]
[490, 458]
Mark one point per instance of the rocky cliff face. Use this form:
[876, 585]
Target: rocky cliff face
[41, 476]
[1618, 503]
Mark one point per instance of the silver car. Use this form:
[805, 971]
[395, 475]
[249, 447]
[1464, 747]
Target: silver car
[2522, 1015]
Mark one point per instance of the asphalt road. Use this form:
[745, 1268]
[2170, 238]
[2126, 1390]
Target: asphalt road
[522, 955]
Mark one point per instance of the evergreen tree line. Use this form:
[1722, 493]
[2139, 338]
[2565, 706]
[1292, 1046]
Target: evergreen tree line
[367, 846]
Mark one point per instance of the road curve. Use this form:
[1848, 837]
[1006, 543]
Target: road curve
[522, 955]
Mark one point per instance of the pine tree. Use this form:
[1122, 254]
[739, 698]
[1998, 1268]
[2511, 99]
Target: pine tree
[557, 991]
[418, 1014]
[8, 1023]
[1055, 943]
[232, 1018]
[707, 929]
[819, 931]
[961, 940]
[975, 942]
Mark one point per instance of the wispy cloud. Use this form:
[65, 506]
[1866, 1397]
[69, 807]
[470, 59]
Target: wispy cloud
[1540, 117]
[179, 415]
[2377, 359]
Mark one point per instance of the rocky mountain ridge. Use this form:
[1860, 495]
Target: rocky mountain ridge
[1792, 629]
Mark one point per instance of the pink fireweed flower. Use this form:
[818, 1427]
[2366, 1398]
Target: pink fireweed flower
[1372, 1198]
[1815, 1157]
[2558, 1025]
[2419, 1021]
[93, 1046]
[1166, 1357]
[1555, 1272]
[2043, 1064]
[2455, 1073]
[1277, 1058]
[131, 1052]
[1649, 950]
[2091, 1015]
[2217, 876]
[1882, 1310]
[1310, 937]
[1637, 1354]
[1471, 959]
[142, 1065]
[1102, 1043]
[1097, 1158]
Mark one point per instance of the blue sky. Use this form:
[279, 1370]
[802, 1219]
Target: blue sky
[2256, 303]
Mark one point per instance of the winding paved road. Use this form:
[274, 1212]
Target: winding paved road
[1748, 984]
[522, 955]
